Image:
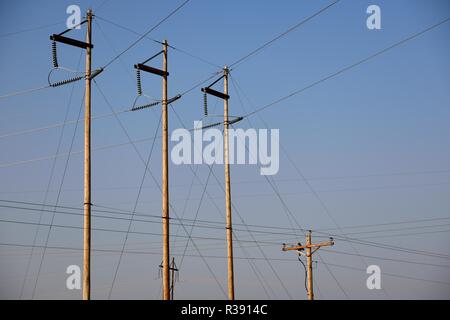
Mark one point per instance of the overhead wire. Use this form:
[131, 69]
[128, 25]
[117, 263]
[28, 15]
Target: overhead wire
[302, 22]
[146, 33]
[348, 67]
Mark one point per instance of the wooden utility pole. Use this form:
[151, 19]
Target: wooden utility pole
[310, 248]
[165, 161]
[165, 181]
[89, 75]
[87, 167]
[227, 187]
[226, 123]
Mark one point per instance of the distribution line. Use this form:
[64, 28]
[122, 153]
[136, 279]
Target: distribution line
[392, 247]
[207, 223]
[242, 182]
[358, 240]
[22, 92]
[8, 34]
[250, 242]
[216, 257]
[56, 125]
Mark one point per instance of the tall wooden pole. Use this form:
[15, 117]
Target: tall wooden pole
[228, 189]
[87, 168]
[165, 182]
[309, 266]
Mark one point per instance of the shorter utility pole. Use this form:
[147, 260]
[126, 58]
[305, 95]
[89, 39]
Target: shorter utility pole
[310, 248]
[174, 275]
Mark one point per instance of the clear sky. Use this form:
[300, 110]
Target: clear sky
[372, 144]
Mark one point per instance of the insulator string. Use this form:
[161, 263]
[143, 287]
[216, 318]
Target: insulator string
[145, 106]
[138, 82]
[54, 55]
[205, 104]
[63, 82]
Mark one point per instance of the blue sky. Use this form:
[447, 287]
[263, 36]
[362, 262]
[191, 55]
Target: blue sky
[372, 143]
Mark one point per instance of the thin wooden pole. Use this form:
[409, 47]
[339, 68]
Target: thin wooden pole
[172, 279]
[87, 168]
[165, 182]
[228, 189]
[309, 266]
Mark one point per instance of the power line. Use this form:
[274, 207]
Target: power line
[56, 125]
[22, 92]
[389, 259]
[8, 34]
[282, 229]
[390, 274]
[215, 224]
[391, 247]
[219, 257]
